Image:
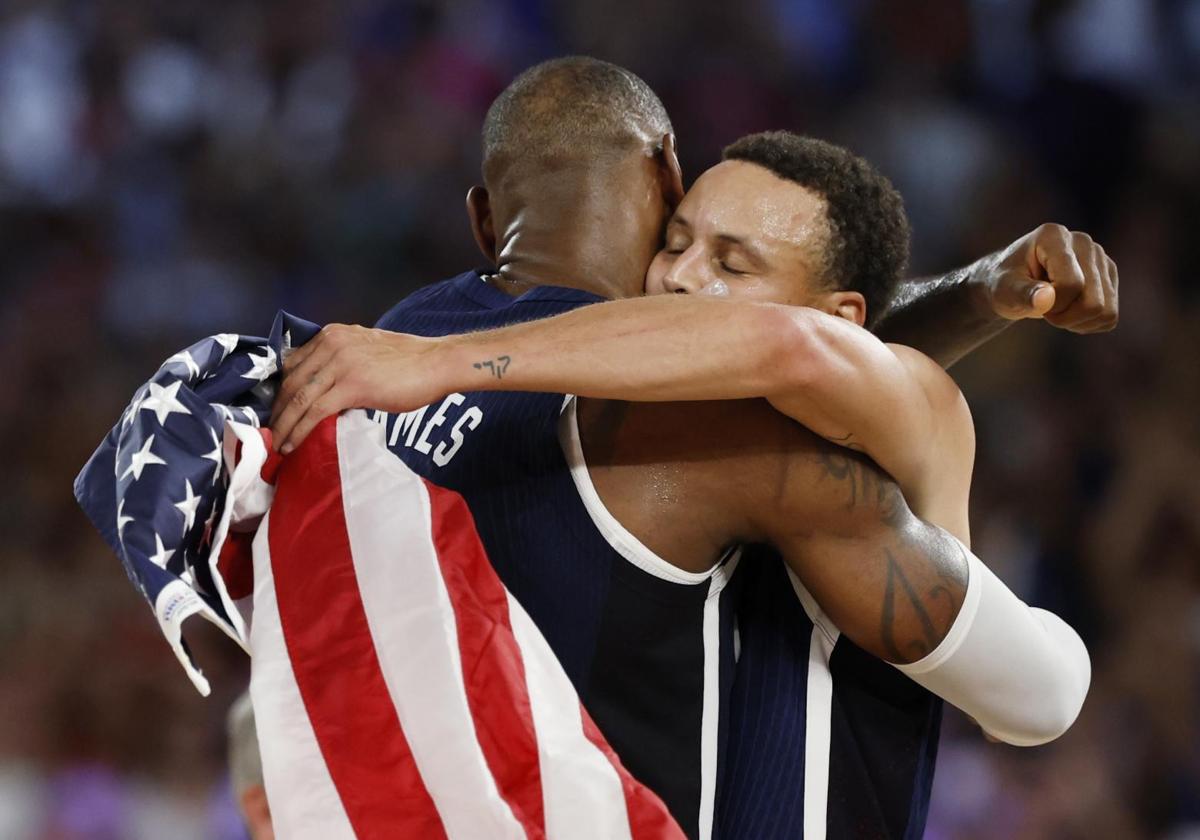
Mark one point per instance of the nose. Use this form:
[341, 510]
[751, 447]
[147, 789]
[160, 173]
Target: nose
[684, 277]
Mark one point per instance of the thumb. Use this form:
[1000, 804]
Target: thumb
[1017, 296]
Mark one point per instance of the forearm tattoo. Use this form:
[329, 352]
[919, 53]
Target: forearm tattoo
[497, 366]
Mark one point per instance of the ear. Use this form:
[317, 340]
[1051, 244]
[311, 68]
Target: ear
[849, 305]
[479, 210]
[671, 173]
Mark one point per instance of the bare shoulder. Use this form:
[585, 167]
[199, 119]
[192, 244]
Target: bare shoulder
[946, 401]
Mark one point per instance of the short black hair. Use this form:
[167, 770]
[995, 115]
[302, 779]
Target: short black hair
[868, 243]
[569, 109]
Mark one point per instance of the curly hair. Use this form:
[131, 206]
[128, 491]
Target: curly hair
[867, 250]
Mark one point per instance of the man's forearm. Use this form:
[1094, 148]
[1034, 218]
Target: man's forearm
[1053, 273]
[945, 317]
[647, 349]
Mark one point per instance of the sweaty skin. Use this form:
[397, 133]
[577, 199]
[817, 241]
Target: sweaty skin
[740, 472]
[691, 479]
[764, 237]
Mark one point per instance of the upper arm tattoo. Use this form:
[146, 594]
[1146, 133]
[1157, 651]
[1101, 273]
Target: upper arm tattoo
[919, 569]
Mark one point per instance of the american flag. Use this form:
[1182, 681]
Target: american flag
[399, 689]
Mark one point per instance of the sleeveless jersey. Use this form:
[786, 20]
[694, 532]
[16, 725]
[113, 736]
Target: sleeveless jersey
[825, 740]
[647, 645]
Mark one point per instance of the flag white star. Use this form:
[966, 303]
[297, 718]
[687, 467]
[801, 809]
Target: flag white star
[161, 556]
[184, 357]
[134, 407]
[142, 459]
[264, 365]
[228, 342]
[215, 456]
[251, 417]
[188, 507]
[122, 519]
[162, 401]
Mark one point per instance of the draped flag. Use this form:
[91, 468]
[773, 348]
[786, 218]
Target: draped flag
[399, 689]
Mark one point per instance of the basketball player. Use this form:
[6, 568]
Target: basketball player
[578, 187]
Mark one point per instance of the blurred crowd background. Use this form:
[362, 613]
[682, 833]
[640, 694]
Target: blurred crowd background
[170, 170]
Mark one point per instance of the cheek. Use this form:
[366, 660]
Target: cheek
[656, 273]
[764, 290]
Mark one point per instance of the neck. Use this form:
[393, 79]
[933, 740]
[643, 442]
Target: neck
[581, 235]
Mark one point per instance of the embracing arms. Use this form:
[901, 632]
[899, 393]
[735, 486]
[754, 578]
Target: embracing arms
[827, 373]
[909, 593]
[1053, 273]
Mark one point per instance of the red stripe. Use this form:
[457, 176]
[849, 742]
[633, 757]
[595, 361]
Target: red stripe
[493, 670]
[332, 653]
[649, 818]
[270, 467]
[235, 563]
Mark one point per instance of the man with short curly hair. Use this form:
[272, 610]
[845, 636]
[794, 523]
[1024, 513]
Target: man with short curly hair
[864, 245]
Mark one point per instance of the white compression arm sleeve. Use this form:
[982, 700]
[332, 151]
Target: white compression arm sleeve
[1021, 672]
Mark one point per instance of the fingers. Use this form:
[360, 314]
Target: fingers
[311, 397]
[1056, 253]
[310, 374]
[330, 402]
[1087, 302]
[1107, 314]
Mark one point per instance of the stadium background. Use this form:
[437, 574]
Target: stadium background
[168, 170]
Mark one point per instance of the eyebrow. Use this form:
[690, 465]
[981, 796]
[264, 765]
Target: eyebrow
[738, 242]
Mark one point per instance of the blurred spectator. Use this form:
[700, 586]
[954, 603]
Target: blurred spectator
[245, 770]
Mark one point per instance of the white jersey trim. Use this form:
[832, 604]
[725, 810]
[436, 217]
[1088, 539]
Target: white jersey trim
[625, 543]
[818, 714]
[637, 553]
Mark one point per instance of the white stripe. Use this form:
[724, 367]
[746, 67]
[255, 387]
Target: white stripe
[818, 714]
[304, 802]
[413, 627]
[582, 792]
[817, 724]
[711, 708]
[625, 543]
[246, 500]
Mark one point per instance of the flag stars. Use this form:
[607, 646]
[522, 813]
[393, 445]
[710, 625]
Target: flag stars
[228, 342]
[215, 455]
[184, 357]
[161, 556]
[122, 519]
[134, 407]
[262, 366]
[188, 507]
[163, 402]
[142, 459]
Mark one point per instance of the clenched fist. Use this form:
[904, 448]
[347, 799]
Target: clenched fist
[1061, 276]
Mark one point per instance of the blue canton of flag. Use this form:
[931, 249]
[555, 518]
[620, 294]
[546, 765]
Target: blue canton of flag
[154, 486]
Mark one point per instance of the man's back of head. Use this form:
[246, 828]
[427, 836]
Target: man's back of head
[579, 173]
[571, 110]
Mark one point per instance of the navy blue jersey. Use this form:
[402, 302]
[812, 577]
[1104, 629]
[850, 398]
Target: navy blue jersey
[825, 740]
[647, 645]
